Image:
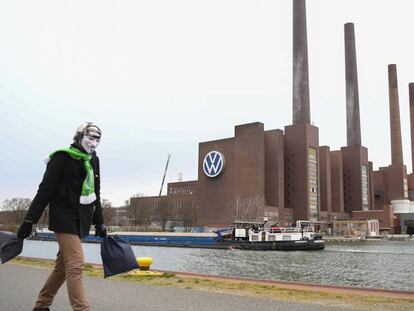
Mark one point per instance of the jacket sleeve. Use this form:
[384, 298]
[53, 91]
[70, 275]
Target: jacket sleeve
[47, 187]
[97, 215]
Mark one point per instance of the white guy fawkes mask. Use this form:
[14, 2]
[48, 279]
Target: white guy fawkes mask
[90, 142]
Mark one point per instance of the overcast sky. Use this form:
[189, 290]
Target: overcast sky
[160, 76]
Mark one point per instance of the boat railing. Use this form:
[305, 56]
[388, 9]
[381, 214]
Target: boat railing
[287, 230]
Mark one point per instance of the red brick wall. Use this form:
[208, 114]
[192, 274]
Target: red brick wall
[298, 139]
[385, 217]
[249, 161]
[274, 172]
[389, 184]
[380, 191]
[240, 188]
[353, 159]
[337, 182]
[325, 179]
[215, 195]
[182, 187]
[395, 175]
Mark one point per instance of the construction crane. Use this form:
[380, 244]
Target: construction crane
[165, 173]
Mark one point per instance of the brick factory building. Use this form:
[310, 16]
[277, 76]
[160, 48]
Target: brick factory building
[284, 175]
[250, 182]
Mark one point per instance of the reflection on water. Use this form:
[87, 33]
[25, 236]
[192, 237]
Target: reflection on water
[376, 264]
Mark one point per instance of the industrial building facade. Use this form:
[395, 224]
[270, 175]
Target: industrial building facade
[284, 175]
[266, 174]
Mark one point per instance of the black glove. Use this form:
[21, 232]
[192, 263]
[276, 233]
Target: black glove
[25, 229]
[100, 230]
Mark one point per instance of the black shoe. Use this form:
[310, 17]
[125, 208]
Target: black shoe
[41, 309]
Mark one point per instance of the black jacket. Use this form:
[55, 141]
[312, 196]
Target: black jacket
[61, 188]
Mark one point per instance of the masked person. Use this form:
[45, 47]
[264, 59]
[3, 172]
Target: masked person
[71, 188]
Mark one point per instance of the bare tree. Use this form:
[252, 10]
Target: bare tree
[184, 209]
[108, 211]
[190, 215]
[132, 208]
[15, 210]
[141, 210]
[133, 214]
[247, 209]
[146, 214]
[4, 223]
[163, 212]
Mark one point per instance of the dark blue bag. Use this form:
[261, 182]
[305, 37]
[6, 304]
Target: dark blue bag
[117, 256]
[10, 246]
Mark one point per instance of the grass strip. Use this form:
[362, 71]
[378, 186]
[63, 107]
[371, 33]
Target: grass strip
[275, 292]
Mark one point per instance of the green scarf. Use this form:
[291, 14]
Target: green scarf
[88, 187]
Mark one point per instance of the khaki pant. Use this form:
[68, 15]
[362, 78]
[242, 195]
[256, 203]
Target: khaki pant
[69, 268]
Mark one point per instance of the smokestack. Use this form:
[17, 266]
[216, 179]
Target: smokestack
[353, 123]
[395, 125]
[301, 110]
[411, 89]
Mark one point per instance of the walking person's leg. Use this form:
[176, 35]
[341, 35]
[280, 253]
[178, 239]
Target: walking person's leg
[74, 261]
[52, 284]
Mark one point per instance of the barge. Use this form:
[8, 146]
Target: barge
[244, 236]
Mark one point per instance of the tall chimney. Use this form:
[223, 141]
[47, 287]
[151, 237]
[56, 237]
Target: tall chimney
[301, 110]
[411, 89]
[395, 125]
[353, 123]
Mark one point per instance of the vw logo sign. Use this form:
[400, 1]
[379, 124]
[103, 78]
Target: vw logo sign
[213, 163]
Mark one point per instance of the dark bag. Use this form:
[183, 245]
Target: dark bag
[10, 246]
[117, 256]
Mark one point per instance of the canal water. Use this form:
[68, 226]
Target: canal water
[374, 264]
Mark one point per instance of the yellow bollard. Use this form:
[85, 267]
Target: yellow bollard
[144, 267]
[144, 263]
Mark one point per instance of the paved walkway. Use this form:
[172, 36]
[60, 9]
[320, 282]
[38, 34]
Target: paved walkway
[19, 286]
